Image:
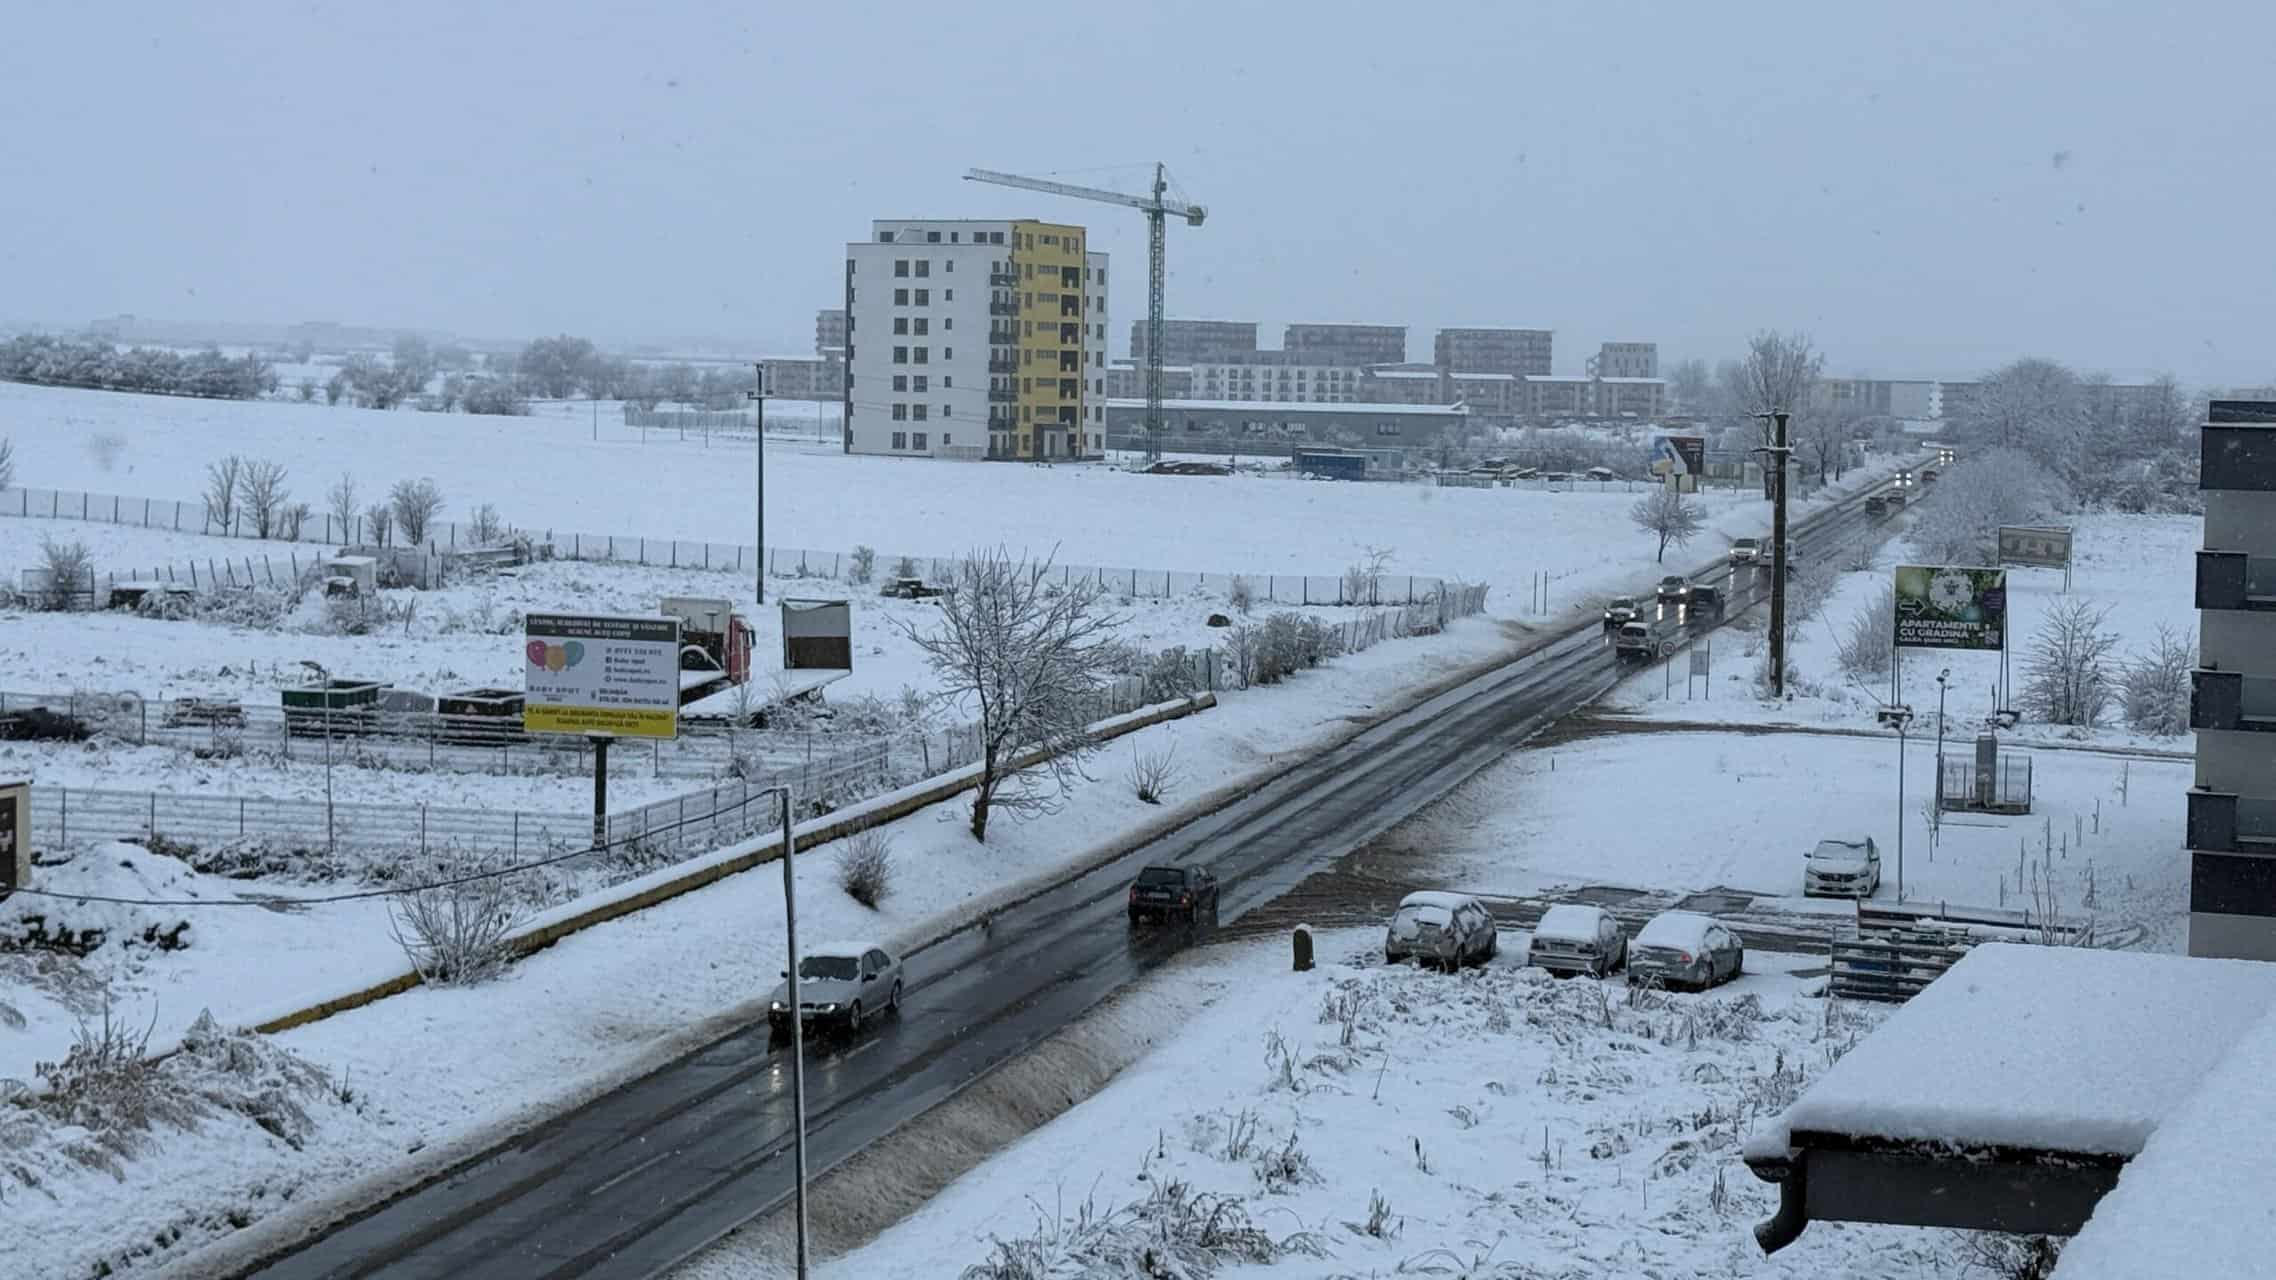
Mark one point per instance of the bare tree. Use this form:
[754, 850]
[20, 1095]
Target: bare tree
[266, 496]
[2156, 695]
[340, 506]
[379, 523]
[1778, 374]
[1153, 772]
[416, 503]
[7, 462]
[484, 526]
[1974, 497]
[2067, 675]
[293, 520]
[1691, 385]
[1664, 514]
[221, 480]
[2035, 406]
[1030, 658]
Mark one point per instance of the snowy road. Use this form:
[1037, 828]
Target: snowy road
[644, 1177]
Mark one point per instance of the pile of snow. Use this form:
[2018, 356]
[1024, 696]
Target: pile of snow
[39, 921]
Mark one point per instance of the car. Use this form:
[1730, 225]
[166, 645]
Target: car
[1685, 949]
[1703, 607]
[1173, 893]
[1601, 474]
[840, 985]
[1621, 609]
[1877, 505]
[1842, 869]
[1896, 501]
[908, 589]
[1575, 937]
[1645, 640]
[1448, 930]
[1745, 550]
[1673, 588]
[1928, 475]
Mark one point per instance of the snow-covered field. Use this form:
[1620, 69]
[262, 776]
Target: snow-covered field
[598, 1002]
[1373, 1122]
[547, 471]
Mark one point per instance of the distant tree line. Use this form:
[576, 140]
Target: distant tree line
[61, 362]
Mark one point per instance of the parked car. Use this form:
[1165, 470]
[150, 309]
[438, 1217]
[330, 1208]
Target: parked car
[1444, 929]
[1574, 937]
[1745, 550]
[1842, 869]
[841, 985]
[1685, 949]
[1621, 609]
[1673, 588]
[1601, 474]
[1173, 893]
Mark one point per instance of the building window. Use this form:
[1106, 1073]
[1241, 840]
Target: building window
[923, 296]
[924, 267]
[900, 438]
[948, 380]
[900, 324]
[1386, 428]
[918, 383]
[921, 352]
[884, 237]
[900, 382]
[901, 266]
[900, 413]
[922, 323]
[917, 411]
[900, 355]
[948, 295]
[946, 412]
[932, 237]
[948, 353]
[900, 297]
[917, 439]
[945, 438]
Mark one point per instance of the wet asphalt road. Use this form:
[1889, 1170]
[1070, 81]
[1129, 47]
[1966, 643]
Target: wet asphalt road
[642, 1178]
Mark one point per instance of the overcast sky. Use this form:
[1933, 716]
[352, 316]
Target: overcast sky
[1928, 188]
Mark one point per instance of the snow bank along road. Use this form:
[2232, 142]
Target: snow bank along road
[644, 1177]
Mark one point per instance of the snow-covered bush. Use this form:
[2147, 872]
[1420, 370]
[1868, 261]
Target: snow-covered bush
[455, 934]
[1152, 773]
[865, 866]
[1240, 594]
[1174, 1231]
[81, 928]
[2157, 685]
[862, 564]
[1871, 641]
[68, 573]
[2067, 675]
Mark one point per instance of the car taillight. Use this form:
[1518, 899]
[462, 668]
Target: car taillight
[1134, 893]
[1185, 899]
[1686, 956]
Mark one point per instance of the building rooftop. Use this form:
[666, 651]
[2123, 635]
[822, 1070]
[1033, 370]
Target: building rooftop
[1487, 377]
[1431, 374]
[1560, 377]
[1657, 382]
[1272, 407]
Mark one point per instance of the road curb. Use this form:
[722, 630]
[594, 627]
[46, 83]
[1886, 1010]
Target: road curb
[822, 830]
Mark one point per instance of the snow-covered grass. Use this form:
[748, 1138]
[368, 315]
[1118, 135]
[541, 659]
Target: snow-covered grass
[1373, 1121]
[1698, 810]
[547, 471]
[602, 1000]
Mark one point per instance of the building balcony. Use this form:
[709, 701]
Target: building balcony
[1002, 395]
[1002, 338]
[2232, 700]
[1002, 280]
[1002, 364]
[1003, 308]
[2234, 580]
[2237, 448]
[2224, 822]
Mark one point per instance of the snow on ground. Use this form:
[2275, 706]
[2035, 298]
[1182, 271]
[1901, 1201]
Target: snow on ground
[1499, 1117]
[548, 471]
[1671, 810]
[2141, 568]
[600, 1000]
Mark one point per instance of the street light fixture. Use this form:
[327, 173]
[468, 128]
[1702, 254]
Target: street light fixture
[1943, 681]
[1898, 717]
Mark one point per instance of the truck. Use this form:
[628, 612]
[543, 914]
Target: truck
[715, 644]
[1643, 640]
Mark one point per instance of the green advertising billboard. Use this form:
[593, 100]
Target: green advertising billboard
[1939, 607]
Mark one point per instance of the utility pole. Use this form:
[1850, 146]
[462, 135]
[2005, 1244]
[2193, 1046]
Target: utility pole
[1775, 462]
[1898, 717]
[797, 1024]
[758, 397]
[1943, 678]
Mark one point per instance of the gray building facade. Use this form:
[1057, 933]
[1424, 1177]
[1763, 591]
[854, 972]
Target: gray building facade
[1345, 344]
[1190, 342]
[1626, 360]
[1523, 352]
[830, 332]
[1212, 425]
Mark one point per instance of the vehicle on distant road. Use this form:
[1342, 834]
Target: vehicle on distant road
[1685, 949]
[1448, 930]
[1703, 608]
[1842, 869]
[1877, 505]
[840, 984]
[1621, 609]
[1574, 937]
[1643, 641]
[1174, 893]
[1673, 588]
[1745, 550]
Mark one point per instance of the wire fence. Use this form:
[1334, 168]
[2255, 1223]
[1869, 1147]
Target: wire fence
[853, 566]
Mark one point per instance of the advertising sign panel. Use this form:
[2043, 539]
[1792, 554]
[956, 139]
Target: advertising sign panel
[1940, 607]
[2043, 548]
[1679, 455]
[588, 673]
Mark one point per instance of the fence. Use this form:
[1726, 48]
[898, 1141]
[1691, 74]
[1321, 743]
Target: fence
[683, 553]
[2006, 789]
[1893, 966]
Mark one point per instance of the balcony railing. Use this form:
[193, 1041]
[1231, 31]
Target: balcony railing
[1002, 338]
[2234, 580]
[1003, 308]
[2232, 700]
[1002, 395]
[1002, 279]
[2223, 822]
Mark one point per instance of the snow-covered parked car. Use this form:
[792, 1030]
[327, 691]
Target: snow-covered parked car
[1574, 938]
[1444, 929]
[841, 984]
[1842, 869]
[1685, 949]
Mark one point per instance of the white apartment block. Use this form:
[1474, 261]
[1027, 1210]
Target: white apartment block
[975, 339]
[1280, 383]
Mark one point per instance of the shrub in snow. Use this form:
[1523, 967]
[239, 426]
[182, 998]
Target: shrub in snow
[69, 573]
[484, 526]
[2067, 675]
[455, 934]
[1871, 641]
[2156, 693]
[1173, 1232]
[1240, 594]
[1171, 674]
[1152, 772]
[862, 564]
[2012, 1257]
[865, 867]
[904, 567]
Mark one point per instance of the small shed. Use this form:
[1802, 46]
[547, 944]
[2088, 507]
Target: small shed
[350, 575]
[817, 635]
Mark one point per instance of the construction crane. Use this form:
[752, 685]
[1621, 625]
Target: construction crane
[1156, 207]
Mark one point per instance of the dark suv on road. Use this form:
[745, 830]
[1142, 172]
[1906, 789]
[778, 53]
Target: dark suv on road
[1174, 893]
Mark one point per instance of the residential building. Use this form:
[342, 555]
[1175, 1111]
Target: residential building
[1570, 396]
[1524, 352]
[1187, 342]
[976, 339]
[1630, 397]
[1956, 400]
[1126, 380]
[2231, 827]
[1345, 344]
[1217, 425]
[1551, 395]
[1875, 397]
[1625, 360]
[804, 377]
[830, 332]
[1295, 383]
[1402, 384]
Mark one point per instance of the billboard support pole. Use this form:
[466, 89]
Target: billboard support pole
[1775, 461]
[601, 743]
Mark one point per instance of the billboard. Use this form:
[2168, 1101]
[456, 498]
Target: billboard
[596, 673]
[2035, 547]
[1940, 607]
[1679, 455]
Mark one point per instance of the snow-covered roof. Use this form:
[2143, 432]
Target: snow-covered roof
[1655, 382]
[2195, 1201]
[1270, 408]
[1486, 377]
[1569, 922]
[1558, 377]
[2050, 1048]
[1683, 930]
[1410, 374]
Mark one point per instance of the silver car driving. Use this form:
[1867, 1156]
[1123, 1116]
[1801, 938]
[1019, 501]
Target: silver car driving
[840, 984]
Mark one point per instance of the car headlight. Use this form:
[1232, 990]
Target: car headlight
[777, 1006]
[825, 1008]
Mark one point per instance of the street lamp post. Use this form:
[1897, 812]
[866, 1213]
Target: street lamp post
[1943, 681]
[758, 397]
[1898, 717]
[797, 1022]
